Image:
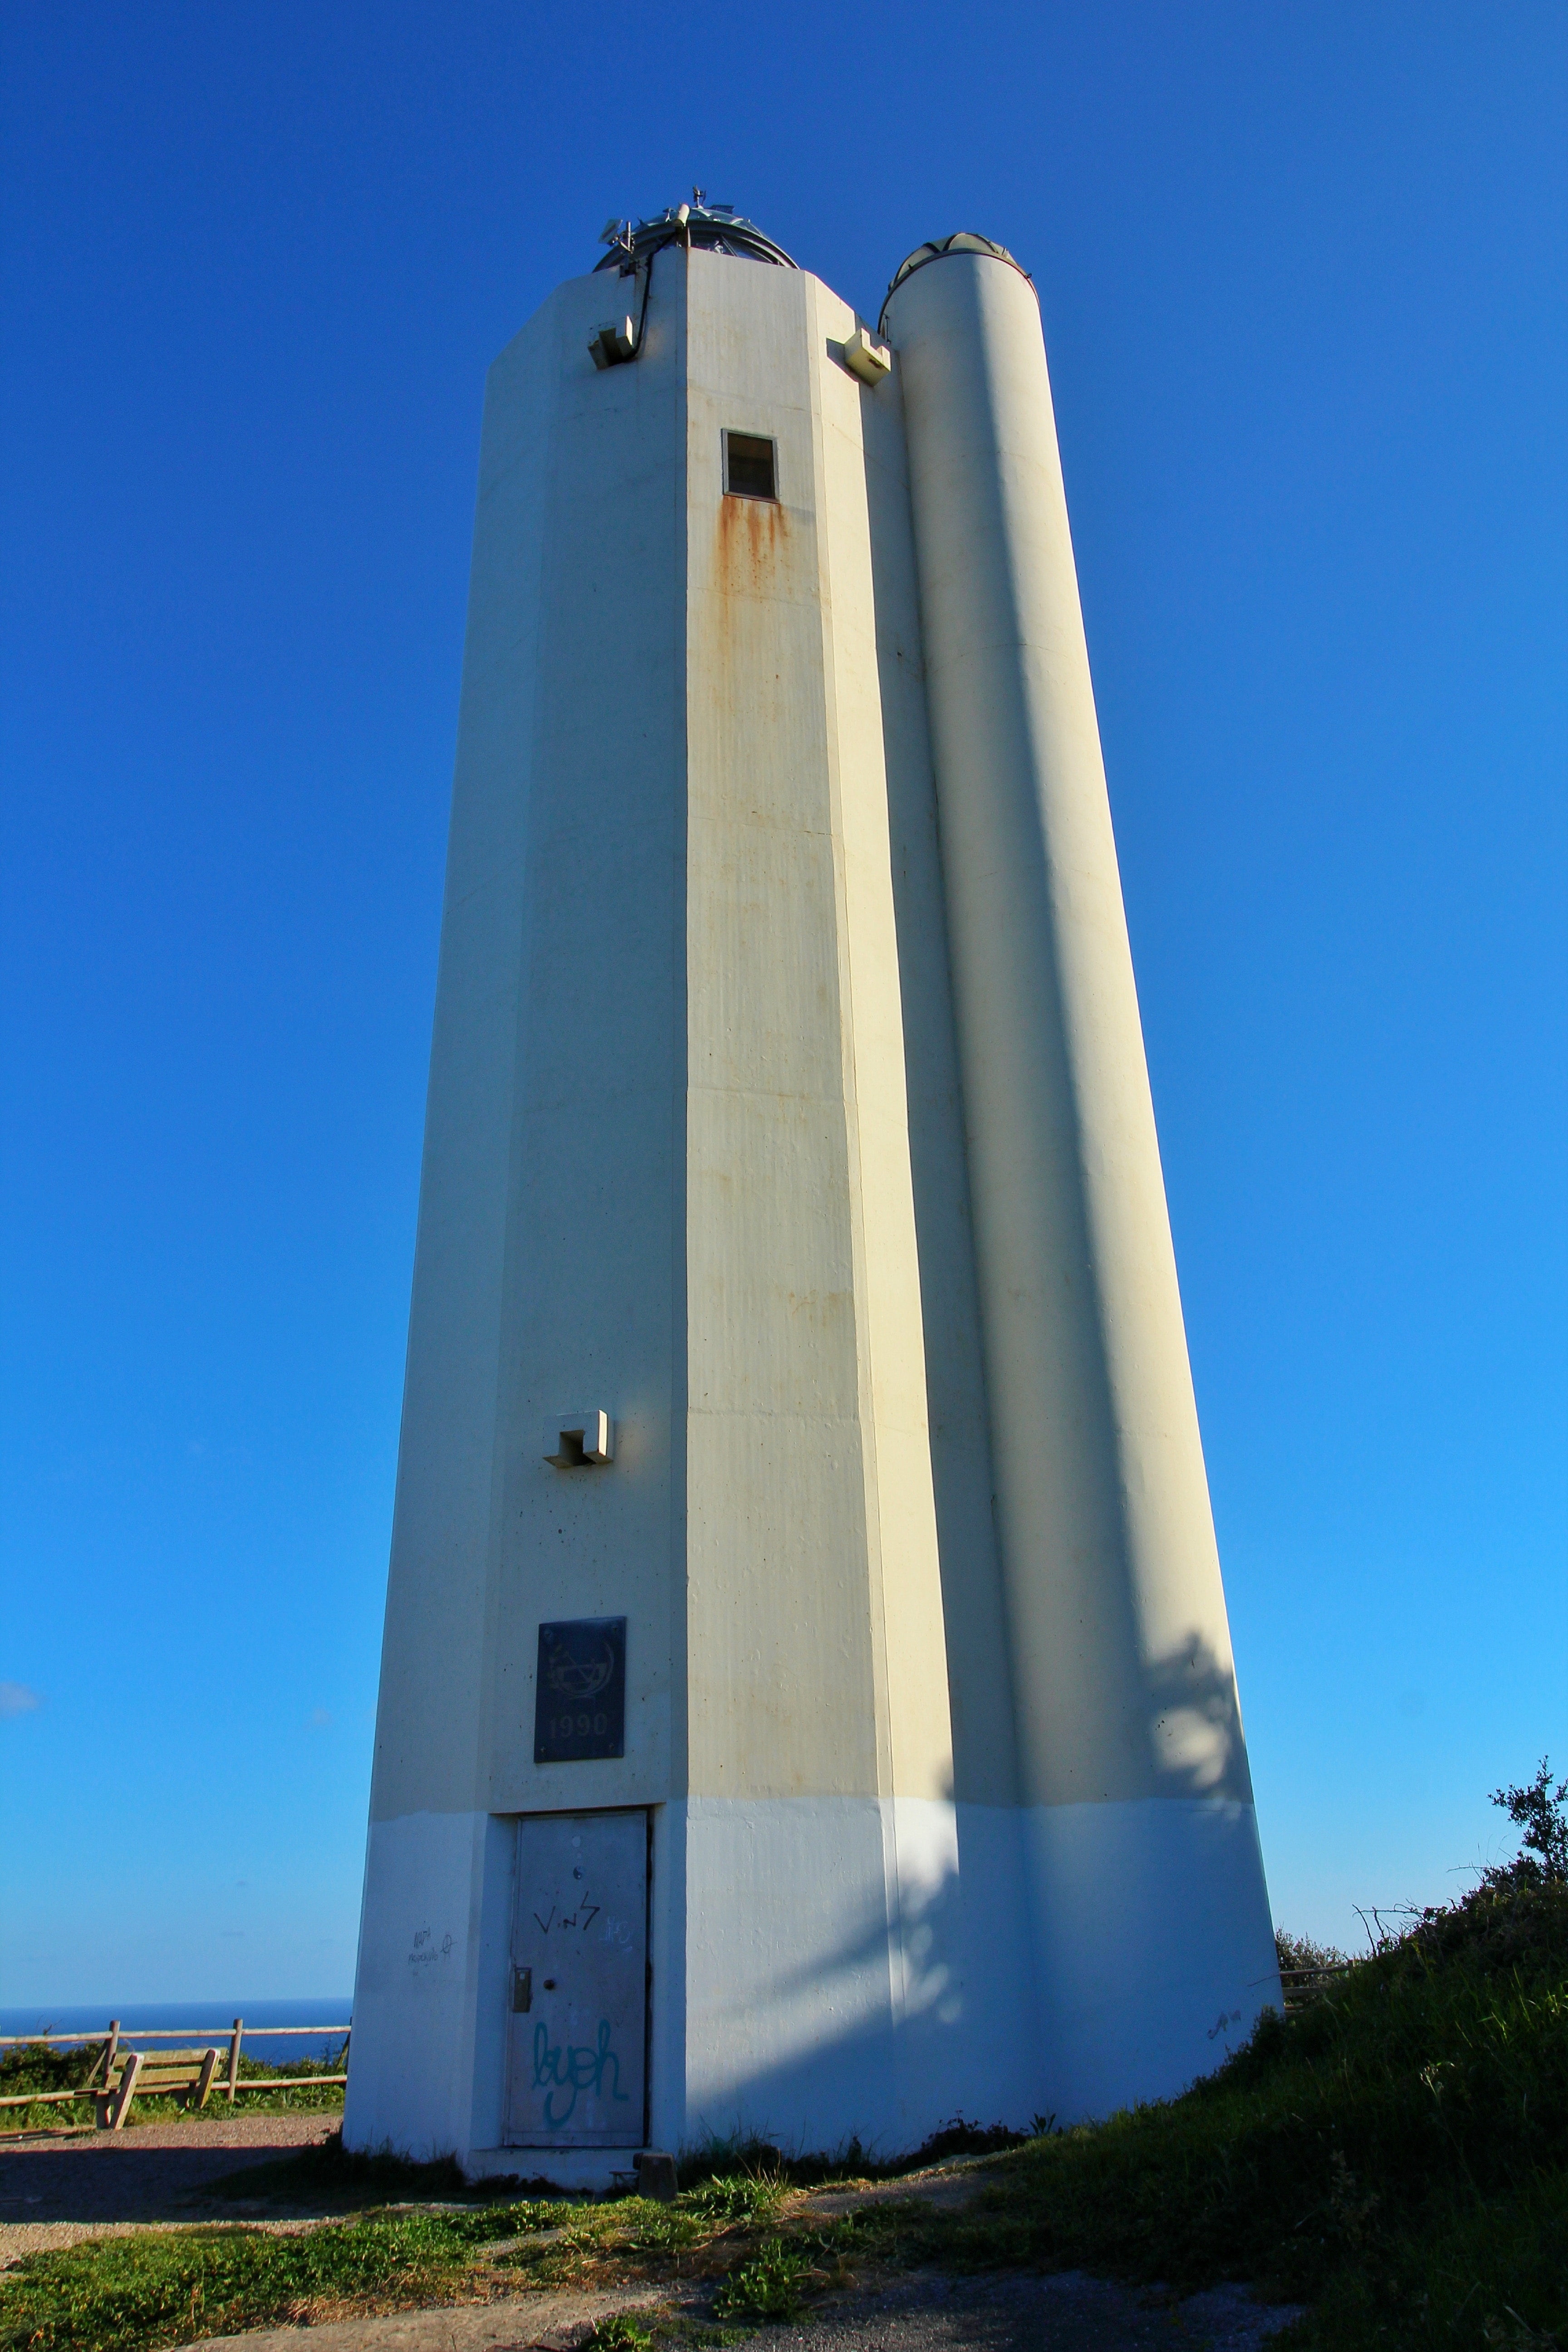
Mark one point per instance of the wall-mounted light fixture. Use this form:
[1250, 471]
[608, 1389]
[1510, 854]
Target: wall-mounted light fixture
[578, 1441]
[864, 356]
[614, 344]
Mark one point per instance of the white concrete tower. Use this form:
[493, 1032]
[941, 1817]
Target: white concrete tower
[806, 1705]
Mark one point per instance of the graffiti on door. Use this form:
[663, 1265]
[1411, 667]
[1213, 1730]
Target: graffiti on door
[561, 2069]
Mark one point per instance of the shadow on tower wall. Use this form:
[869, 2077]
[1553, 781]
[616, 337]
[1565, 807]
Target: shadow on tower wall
[1067, 1959]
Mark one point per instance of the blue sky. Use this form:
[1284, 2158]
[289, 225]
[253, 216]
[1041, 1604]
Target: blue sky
[1302, 275]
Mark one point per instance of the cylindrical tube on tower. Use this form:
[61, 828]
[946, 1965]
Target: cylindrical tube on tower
[1154, 1940]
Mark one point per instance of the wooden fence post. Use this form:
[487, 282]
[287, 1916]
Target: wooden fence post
[234, 2058]
[198, 2097]
[118, 2103]
[110, 2048]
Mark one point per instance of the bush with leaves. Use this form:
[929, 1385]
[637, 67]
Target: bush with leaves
[1541, 1811]
[1297, 1954]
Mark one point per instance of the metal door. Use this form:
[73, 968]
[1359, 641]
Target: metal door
[577, 2031]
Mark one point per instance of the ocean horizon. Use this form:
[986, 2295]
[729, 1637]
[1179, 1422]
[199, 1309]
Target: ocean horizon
[205, 2020]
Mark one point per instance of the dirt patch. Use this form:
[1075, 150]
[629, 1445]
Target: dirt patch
[949, 2186]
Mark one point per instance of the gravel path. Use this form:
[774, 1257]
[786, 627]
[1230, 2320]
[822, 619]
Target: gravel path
[925, 2313]
[556, 2322]
[1063, 2313]
[58, 2187]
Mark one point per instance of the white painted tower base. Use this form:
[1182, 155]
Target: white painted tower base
[788, 1109]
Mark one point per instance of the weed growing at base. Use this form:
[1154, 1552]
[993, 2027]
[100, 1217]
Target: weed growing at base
[772, 2285]
[619, 2333]
[738, 2196]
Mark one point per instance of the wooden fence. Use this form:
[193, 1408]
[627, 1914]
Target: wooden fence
[190, 2036]
[1301, 1986]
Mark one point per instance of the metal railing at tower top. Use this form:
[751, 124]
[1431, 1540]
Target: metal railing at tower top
[111, 2040]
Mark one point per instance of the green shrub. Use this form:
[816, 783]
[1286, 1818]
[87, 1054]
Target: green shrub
[654, 2229]
[1301, 1952]
[619, 2333]
[1539, 1810]
[736, 2197]
[771, 2285]
[38, 2068]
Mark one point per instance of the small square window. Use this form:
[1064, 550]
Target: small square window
[748, 468]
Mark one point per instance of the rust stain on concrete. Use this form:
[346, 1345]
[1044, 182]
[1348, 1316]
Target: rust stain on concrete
[752, 533]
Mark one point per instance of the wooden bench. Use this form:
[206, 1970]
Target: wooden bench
[183, 2075]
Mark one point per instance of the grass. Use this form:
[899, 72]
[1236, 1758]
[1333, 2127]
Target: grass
[170, 2287]
[752, 2159]
[1395, 2155]
[173, 2286]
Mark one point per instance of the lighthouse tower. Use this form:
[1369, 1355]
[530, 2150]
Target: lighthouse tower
[806, 1701]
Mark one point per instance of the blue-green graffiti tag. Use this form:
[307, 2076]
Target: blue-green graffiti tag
[573, 2069]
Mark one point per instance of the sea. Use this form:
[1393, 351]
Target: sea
[314, 2027]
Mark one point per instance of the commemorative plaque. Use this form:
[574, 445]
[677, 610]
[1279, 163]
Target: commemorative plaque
[580, 1700]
